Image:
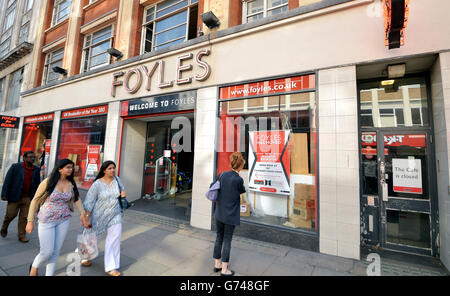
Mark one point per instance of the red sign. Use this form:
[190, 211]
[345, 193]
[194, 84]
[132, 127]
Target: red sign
[370, 139]
[9, 122]
[85, 112]
[267, 87]
[39, 118]
[93, 163]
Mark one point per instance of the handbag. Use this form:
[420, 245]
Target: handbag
[213, 191]
[87, 247]
[123, 202]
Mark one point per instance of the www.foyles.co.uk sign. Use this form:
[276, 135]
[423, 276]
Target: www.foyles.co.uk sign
[161, 104]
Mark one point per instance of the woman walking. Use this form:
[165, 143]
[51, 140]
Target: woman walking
[54, 200]
[102, 205]
[228, 213]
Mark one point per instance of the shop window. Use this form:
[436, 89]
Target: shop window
[95, 49]
[78, 136]
[2, 145]
[404, 105]
[241, 121]
[36, 137]
[168, 23]
[61, 11]
[258, 9]
[15, 83]
[53, 59]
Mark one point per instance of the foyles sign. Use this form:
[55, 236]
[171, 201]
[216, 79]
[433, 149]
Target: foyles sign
[133, 79]
[161, 104]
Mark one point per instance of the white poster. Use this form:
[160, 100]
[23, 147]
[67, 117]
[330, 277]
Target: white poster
[407, 175]
[269, 161]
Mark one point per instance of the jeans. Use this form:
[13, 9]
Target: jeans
[51, 239]
[223, 239]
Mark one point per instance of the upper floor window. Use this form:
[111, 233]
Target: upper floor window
[61, 10]
[168, 23]
[258, 9]
[13, 96]
[2, 92]
[28, 5]
[9, 16]
[95, 49]
[53, 59]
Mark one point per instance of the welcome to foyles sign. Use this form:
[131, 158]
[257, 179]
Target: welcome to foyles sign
[161, 104]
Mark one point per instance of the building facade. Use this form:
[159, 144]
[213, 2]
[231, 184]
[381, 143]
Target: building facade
[17, 31]
[302, 88]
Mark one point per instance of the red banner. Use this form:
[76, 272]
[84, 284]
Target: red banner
[276, 86]
[39, 118]
[370, 139]
[85, 112]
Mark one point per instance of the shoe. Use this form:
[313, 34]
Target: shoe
[217, 269]
[113, 273]
[224, 274]
[23, 240]
[4, 232]
[86, 263]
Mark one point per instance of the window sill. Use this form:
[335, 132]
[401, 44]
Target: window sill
[92, 5]
[60, 24]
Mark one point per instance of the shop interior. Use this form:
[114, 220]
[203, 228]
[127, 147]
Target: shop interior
[167, 163]
[36, 137]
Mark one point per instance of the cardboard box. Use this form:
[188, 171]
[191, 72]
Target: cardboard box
[301, 223]
[304, 191]
[299, 153]
[303, 213]
[245, 209]
[303, 203]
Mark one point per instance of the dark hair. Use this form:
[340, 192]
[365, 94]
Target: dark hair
[25, 154]
[237, 160]
[104, 166]
[55, 175]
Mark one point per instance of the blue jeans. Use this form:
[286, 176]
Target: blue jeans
[51, 239]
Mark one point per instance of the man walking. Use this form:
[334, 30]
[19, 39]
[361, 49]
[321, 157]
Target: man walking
[20, 185]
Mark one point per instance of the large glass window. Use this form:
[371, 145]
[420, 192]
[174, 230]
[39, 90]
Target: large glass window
[61, 11]
[15, 84]
[36, 137]
[394, 103]
[78, 137]
[95, 48]
[168, 23]
[2, 92]
[289, 119]
[53, 59]
[258, 9]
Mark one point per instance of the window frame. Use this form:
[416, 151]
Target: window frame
[190, 4]
[265, 10]
[88, 49]
[56, 10]
[48, 64]
[27, 6]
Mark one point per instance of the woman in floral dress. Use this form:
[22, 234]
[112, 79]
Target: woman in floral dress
[102, 204]
[54, 200]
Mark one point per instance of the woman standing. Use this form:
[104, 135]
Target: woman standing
[228, 213]
[102, 205]
[54, 199]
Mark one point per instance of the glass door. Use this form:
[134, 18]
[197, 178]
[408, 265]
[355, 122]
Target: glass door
[404, 191]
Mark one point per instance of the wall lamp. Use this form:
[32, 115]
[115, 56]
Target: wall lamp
[115, 53]
[59, 70]
[210, 20]
[396, 71]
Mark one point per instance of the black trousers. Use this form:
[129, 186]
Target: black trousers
[222, 246]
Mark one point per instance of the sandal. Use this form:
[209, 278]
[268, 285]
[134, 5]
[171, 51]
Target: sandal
[113, 273]
[86, 263]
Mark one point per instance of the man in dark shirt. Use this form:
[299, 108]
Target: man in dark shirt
[19, 187]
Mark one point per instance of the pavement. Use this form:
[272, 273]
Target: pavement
[152, 245]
